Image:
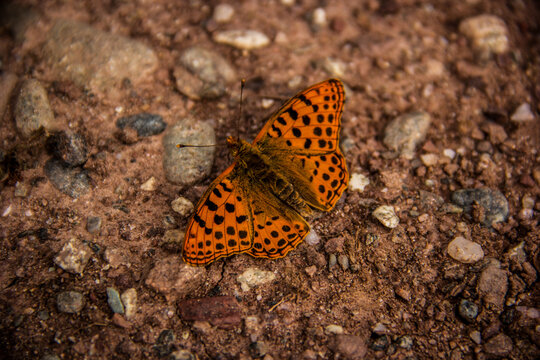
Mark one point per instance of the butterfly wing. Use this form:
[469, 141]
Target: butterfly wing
[301, 139]
[222, 223]
[277, 229]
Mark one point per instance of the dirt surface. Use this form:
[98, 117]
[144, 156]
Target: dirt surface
[394, 293]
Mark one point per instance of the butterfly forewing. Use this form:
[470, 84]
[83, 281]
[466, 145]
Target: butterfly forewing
[307, 123]
[221, 225]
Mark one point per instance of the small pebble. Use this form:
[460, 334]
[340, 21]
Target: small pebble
[32, 109]
[449, 153]
[492, 285]
[21, 190]
[349, 346]
[69, 147]
[145, 124]
[380, 329]
[93, 224]
[467, 310]
[73, 256]
[164, 343]
[43, 315]
[113, 299]
[465, 251]
[74, 182]
[129, 299]
[333, 330]
[242, 39]
[150, 184]
[312, 238]
[223, 13]
[405, 342]
[182, 206]
[429, 159]
[334, 67]
[358, 182]
[254, 277]
[311, 270]
[70, 302]
[181, 355]
[318, 18]
[386, 215]
[476, 336]
[203, 74]
[405, 132]
[343, 261]
[332, 261]
[487, 33]
[522, 114]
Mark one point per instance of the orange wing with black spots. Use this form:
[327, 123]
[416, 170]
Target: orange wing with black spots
[222, 224]
[308, 123]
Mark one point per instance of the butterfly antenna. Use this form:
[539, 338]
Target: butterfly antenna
[242, 85]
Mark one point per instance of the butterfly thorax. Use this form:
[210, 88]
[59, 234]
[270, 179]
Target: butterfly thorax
[256, 167]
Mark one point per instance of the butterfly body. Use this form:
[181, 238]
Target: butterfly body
[257, 205]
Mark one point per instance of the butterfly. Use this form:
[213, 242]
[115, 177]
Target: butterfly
[258, 204]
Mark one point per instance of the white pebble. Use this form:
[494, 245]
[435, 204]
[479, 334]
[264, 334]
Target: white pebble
[149, 185]
[487, 34]
[386, 215]
[223, 13]
[7, 211]
[182, 206]
[429, 159]
[319, 17]
[449, 153]
[358, 182]
[465, 251]
[523, 113]
[242, 39]
[333, 330]
[287, 2]
[313, 238]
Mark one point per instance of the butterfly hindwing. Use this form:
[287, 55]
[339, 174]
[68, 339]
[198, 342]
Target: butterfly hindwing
[277, 229]
[309, 122]
[222, 223]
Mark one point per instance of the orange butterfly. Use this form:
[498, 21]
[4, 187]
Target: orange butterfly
[257, 205]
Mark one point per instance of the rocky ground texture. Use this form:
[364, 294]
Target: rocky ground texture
[432, 253]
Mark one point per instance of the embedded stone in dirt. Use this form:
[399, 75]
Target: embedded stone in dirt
[253, 277]
[32, 109]
[493, 284]
[70, 302]
[350, 346]
[465, 251]
[221, 311]
[73, 256]
[493, 203]
[129, 299]
[174, 278]
[405, 132]
[145, 124]
[242, 39]
[188, 165]
[386, 216]
[69, 147]
[74, 182]
[487, 33]
[499, 345]
[94, 59]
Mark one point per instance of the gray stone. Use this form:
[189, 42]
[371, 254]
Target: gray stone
[73, 256]
[203, 74]
[522, 114]
[185, 166]
[32, 109]
[70, 302]
[174, 278]
[493, 202]
[113, 299]
[94, 59]
[467, 310]
[145, 124]
[69, 147]
[93, 224]
[74, 182]
[405, 132]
